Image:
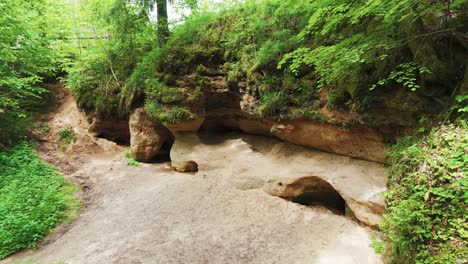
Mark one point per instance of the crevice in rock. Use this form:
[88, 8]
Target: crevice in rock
[164, 154]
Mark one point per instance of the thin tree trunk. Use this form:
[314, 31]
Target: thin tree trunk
[163, 26]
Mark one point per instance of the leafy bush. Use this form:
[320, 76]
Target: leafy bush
[427, 197]
[34, 199]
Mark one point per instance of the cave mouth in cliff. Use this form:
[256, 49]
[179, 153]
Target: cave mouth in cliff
[118, 139]
[317, 192]
[217, 130]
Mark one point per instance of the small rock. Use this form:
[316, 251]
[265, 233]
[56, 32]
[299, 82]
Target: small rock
[185, 166]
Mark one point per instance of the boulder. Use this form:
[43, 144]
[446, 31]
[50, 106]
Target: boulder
[147, 137]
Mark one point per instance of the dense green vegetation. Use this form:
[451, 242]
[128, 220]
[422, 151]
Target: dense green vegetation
[428, 196]
[34, 47]
[286, 53]
[34, 199]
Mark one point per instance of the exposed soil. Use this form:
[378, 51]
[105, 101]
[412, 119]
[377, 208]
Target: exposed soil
[151, 214]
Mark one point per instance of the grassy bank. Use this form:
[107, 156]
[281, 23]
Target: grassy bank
[34, 199]
[427, 198]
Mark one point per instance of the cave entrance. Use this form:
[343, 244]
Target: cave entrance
[217, 130]
[313, 191]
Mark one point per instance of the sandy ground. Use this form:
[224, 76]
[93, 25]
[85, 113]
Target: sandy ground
[150, 214]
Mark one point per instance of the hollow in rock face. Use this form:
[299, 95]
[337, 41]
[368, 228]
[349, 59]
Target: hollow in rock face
[329, 199]
[313, 191]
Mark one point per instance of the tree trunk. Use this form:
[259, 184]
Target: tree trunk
[163, 26]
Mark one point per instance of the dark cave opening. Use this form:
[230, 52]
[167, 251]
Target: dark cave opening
[314, 191]
[332, 201]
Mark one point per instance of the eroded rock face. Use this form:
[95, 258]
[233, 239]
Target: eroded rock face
[186, 126]
[314, 190]
[356, 142]
[147, 137]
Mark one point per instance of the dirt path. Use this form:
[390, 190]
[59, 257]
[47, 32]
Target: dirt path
[150, 214]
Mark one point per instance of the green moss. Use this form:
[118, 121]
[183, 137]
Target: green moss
[173, 114]
[171, 95]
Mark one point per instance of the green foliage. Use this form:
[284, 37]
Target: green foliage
[118, 33]
[371, 40]
[427, 197]
[131, 161]
[31, 50]
[34, 199]
[285, 52]
[272, 104]
[405, 75]
[173, 114]
[377, 245]
[45, 128]
[93, 84]
[67, 136]
[461, 104]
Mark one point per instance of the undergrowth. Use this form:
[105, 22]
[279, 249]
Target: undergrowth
[427, 197]
[66, 138]
[131, 161]
[34, 199]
